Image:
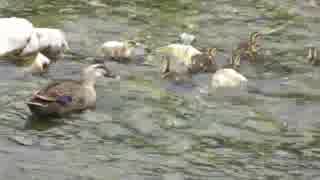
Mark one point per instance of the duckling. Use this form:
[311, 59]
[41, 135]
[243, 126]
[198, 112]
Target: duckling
[313, 56]
[228, 77]
[234, 62]
[179, 52]
[249, 49]
[123, 51]
[178, 77]
[204, 62]
[40, 64]
[67, 96]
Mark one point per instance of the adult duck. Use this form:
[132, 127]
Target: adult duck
[68, 96]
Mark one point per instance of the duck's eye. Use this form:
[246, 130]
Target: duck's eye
[45, 66]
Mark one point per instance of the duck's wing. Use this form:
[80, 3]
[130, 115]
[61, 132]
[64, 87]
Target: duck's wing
[59, 97]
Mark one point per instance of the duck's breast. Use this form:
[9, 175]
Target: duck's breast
[89, 97]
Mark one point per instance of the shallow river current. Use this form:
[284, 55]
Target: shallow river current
[146, 128]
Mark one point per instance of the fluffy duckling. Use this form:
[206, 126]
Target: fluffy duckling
[313, 56]
[195, 60]
[40, 64]
[14, 35]
[68, 96]
[249, 49]
[204, 62]
[50, 42]
[179, 52]
[178, 77]
[122, 51]
[228, 77]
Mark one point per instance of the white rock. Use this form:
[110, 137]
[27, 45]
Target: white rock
[180, 52]
[228, 78]
[51, 42]
[32, 47]
[20, 40]
[14, 34]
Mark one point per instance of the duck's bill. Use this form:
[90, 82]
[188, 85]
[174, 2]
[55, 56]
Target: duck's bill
[110, 75]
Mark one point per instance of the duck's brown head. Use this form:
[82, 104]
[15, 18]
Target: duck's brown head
[40, 64]
[103, 70]
[90, 73]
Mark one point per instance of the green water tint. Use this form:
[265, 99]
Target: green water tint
[142, 129]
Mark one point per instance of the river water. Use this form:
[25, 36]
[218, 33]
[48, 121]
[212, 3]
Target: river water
[146, 128]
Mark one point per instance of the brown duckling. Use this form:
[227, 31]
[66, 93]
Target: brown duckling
[179, 77]
[234, 61]
[68, 96]
[196, 61]
[313, 56]
[249, 49]
[204, 62]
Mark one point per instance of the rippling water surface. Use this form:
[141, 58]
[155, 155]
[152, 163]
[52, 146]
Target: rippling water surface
[144, 128]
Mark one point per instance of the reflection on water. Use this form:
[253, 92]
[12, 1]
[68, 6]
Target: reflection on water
[147, 128]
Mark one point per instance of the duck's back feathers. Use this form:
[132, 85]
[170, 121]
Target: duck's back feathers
[59, 98]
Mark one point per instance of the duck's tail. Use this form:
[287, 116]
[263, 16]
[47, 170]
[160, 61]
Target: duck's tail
[37, 108]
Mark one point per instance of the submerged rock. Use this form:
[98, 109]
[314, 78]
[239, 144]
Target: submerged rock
[22, 140]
